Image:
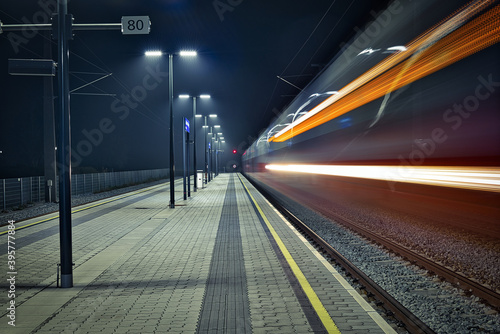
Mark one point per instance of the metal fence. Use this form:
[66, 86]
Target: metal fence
[16, 192]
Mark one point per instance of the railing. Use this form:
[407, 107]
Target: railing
[16, 192]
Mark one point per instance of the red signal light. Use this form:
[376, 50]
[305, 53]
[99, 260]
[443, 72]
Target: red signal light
[234, 151]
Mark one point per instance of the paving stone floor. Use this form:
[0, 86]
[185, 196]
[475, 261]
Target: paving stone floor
[207, 266]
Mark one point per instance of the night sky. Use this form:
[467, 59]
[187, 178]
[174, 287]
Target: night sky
[242, 47]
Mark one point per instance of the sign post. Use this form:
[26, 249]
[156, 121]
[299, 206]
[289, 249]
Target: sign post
[185, 160]
[135, 25]
[62, 27]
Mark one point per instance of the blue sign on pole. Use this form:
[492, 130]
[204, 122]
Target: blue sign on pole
[209, 146]
[186, 124]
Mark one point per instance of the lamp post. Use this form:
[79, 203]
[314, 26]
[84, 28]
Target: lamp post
[195, 171]
[210, 148]
[214, 136]
[210, 156]
[205, 168]
[171, 112]
[222, 151]
[221, 141]
[217, 152]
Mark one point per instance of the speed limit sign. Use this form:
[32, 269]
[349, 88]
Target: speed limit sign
[135, 25]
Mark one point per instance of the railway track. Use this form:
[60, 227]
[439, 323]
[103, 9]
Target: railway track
[402, 314]
[410, 321]
[489, 296]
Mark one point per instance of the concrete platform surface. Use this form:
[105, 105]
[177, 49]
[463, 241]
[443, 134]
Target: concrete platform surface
[223, 261]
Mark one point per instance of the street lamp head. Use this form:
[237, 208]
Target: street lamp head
[198, 116]
[212, 115]
[188, 53]
[184, 96]
[153, 53]
[216, 126]
[204, 96]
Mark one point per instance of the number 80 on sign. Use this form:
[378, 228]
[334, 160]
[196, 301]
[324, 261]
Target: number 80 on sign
[135, 25]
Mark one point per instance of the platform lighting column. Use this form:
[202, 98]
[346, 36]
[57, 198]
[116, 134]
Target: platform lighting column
[217, 153]
[202, 182]
[212, 164]
[207, 156]
[64, 145]
[206, 150]
[195, 171]
[221, 141]
[171, 113]
[214, 155]
[210, 155]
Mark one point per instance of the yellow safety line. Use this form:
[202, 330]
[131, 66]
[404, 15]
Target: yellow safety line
[86, 208]
[325, 318]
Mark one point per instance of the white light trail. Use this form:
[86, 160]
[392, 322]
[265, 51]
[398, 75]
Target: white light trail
[476, 178]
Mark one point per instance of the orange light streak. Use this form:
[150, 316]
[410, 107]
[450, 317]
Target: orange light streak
[424, 56]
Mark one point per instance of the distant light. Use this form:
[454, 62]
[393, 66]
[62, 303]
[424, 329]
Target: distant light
[234, 151]
[205, 126]
[204, 96]
[216, 126]
[184, 96]
[153, 53]
[198, 116]
[221, 137]
[219, 133]
[222, 141]
[188, 53]
[212, 115]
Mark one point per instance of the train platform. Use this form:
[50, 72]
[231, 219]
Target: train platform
[222, 261]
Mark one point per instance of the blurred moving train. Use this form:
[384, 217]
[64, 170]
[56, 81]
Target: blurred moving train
[405, 118]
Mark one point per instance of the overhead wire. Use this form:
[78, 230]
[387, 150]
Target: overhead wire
[308, 38]
[151, 116]
[305, 42]
[121, 83]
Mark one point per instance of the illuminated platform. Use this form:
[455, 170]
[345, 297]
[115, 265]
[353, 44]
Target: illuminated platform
[224, 261]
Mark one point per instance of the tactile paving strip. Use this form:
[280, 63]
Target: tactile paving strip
[225, 307]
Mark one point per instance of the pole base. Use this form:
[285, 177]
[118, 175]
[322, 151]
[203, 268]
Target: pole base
[66, 280]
